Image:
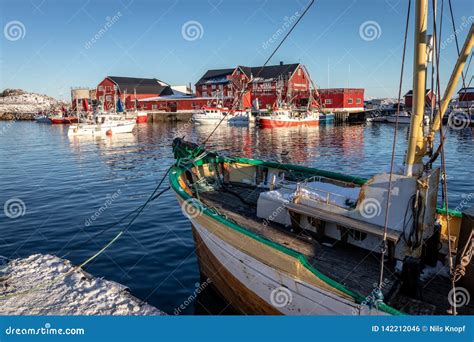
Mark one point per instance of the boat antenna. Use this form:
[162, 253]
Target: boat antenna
[266, 62]
[383, 247]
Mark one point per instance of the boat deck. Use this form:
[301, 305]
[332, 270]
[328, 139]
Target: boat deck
[356, 268]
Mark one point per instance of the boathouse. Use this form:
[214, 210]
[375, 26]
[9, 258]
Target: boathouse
[259, 86]
[342, 99]
[129, 89]
[430, 99]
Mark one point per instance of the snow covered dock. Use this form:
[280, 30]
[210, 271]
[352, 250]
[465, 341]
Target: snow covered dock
[48, 285]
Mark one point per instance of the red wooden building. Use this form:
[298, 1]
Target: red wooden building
[129, 89]
[258, 86]
[430, 99]
[173, 103]
[342, 99]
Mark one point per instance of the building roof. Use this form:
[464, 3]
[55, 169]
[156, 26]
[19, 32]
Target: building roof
[269, 72]
[466, 90]
[410, 92]
[141, 85]
[215, 76]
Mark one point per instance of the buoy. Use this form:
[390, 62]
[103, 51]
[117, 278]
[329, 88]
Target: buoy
[109, 132]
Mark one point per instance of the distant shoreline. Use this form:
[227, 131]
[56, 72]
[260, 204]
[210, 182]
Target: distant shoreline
[17, 116]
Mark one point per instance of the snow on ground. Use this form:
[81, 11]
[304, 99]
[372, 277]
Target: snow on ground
[48, 285]
[16, 101]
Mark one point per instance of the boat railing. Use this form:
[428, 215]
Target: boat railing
[321, 196]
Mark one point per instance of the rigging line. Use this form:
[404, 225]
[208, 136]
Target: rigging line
[457, 47]
[264, 64]
[444, 180]
[114, 224]
[385, 228]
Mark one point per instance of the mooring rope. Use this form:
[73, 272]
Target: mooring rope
[154, 195]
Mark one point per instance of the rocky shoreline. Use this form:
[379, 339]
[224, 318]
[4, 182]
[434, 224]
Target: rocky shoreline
[19, 105]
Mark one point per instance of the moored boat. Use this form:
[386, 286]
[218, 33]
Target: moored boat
[104, 124]
[63, 120]
[286, 239]
[288, 118]
[213, 115]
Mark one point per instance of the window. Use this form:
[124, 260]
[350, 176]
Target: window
[349, 101]
[154, 106]
[328, 101]
[221, 87]
[299, 72]
[358, 101]
[213, 86]
[204, 93]
[108, 98]
[101, 88]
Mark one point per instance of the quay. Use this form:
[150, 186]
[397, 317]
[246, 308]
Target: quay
[48, 285]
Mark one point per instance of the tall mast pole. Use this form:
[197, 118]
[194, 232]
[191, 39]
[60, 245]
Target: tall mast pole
[416, 144]
[453, 81]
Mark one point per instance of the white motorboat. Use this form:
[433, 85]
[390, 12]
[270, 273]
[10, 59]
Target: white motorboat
[104, 124]
[214, 115]
[404, 118]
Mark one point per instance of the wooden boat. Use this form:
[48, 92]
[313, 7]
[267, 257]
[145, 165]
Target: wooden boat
[288, 118]
[286, 239]
[104, 124]
[213, 115]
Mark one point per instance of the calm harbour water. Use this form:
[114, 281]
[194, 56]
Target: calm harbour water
[64, 182]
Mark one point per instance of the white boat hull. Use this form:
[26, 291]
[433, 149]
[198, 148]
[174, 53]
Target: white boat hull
[85, 129]
[289, 296]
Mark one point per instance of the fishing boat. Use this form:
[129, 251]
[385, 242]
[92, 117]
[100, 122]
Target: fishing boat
[286, 239]
[213, 115]
[284, 117]
[103, 124]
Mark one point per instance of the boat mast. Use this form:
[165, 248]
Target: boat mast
[416, 144]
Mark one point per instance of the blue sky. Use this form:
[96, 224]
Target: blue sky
[54, 49]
